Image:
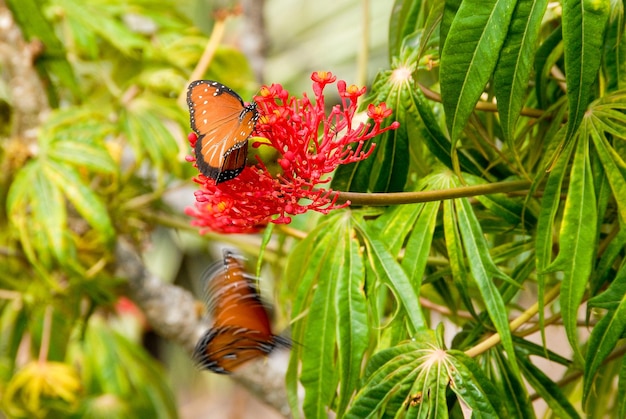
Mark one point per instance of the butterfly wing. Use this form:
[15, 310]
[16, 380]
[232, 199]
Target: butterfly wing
[234, 299]
[224, 349]
[241, 330]
[223, 124]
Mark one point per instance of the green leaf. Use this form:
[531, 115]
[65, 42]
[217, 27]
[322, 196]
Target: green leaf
[385, 170]
[470, 55]
[112, 365]
[411, 379]
[83, 155]
[147, 134]
[108, 25]
[515, 397]
[578, 229]
[436, 140]
[37, 209]
[390, 374]
[584, 23]
[454, 248]
[390, 272]
[403, 22]
[547, 55]
[334, 331]
[603, 339]
[395, 224]
[306, 263]
[614, 167]
[547, 389]
[472, 385]
[484, 271]
[419, 244]
[621, 390]
[612, 297]
[351, 323]
[49, 215]
[319, 376]
[614, 48]
[86, 202]
[545, 224]
[515, 63]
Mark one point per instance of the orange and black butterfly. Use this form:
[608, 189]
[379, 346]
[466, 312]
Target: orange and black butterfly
[241, 327]
[223, 124]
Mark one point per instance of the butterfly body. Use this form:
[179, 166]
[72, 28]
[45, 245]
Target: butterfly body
[241, 330]
[223, 123]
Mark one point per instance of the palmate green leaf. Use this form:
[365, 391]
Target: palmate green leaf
[390, 272]
[473, 386]
[469, 57]
[82, 197]
[584, 23]
[578, 230]
[397, 223]
[37, 209]
[514, 65]
[306, 263]
[352, 326]
[334, 331]
[410, 380]
[608, 330]
[427, 397]
[547, 389]
[390, 374]
[484, 271]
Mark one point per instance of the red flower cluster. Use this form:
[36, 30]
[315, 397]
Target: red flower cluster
[310, 144]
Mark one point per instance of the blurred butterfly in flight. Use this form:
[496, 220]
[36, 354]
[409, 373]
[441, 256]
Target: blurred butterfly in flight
[241, 327]
[223, 124]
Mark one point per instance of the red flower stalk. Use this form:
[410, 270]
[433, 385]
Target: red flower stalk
[310, 143]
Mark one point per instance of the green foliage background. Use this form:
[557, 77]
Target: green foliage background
[520, 102]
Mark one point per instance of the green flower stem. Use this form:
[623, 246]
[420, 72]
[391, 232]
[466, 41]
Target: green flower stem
[357, 198]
